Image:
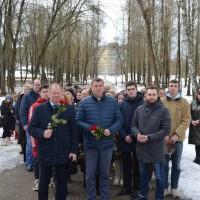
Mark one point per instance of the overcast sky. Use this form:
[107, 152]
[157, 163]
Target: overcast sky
[114, 13]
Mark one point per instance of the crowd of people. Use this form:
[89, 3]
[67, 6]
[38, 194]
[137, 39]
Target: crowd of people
[137, 132]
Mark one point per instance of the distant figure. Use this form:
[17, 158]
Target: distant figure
[8, 113]
[27, 100]
[161, 92]
[194, 131]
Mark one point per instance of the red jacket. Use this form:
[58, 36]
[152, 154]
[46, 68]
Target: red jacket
[34, 141]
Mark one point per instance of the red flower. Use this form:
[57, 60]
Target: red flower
[63, 102]
[93, 128]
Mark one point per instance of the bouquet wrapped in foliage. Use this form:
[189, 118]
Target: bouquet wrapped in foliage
[97, 131]
[54, 119]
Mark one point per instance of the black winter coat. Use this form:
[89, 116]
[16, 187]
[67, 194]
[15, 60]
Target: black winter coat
[194, 131]
[128, 107]
[8, 116]
[64, 140]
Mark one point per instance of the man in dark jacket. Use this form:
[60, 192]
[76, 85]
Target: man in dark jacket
[27, 100]
[102, 111]
[56, 143]
[150, 125]
[127, 144]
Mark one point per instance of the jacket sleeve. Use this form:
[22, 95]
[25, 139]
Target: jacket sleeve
[24, 110]
[118, 120]
[33, 127]
[80, 118]
[74, 134]
[134, 124]
[165, 126]
[185, 119]
[16, 110]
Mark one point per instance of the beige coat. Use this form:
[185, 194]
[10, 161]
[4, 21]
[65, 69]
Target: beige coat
[180, 116]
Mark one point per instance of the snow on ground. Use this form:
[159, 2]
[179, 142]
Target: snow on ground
[189, 183]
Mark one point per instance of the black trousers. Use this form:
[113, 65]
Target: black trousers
[130, 164]
[197, 149]
[45, 173]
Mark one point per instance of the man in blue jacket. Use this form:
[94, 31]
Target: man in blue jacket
[126, 143]
[56, 143]
[102, 111]
[27, 101]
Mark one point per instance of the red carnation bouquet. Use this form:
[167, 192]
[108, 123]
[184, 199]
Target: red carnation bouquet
[97, 131]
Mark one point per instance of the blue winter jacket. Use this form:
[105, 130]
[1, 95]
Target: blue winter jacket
[104, 113]
[27, 100]
[64, 140]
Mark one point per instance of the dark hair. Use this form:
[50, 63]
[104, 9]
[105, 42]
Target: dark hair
[97, 80]
[152, 87]
[173, 81]
[129, 83]
[44, 86]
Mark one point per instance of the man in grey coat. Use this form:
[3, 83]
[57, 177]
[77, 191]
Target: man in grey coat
[150, 124]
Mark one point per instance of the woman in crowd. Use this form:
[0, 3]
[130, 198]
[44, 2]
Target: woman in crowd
[8, 114]
[194, 131]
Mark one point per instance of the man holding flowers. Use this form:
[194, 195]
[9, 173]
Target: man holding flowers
[100, 118]
[53, 124]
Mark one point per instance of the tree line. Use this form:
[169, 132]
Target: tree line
[59, 40]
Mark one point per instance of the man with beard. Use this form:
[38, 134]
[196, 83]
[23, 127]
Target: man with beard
[126, 143]
[150, 125]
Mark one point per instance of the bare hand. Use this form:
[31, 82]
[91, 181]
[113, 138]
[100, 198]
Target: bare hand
[73, 156]
[195, 122]
[173, 139]
[11, 111]
[106, 132]
[142, 138]
[47, 133]
[25, 127]
[166, 140]
[128, 139]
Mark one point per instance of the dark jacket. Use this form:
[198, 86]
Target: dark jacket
[194, 131]
[104, 113]
[27, 100]
[8, 116]
[153, 120]
[64, 140]
[128, 107]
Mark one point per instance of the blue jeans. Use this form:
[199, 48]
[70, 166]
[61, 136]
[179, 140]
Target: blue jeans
[176, 170]
[144, 179]
[98, 161]
[29, 155]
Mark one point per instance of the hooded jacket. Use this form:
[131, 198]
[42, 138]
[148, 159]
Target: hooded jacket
[128, 107]
[179, 110]
[154, 121]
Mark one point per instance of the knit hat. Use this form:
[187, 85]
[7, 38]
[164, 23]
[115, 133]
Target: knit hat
[8, 96]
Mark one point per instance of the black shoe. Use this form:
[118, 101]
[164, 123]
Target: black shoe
[139, 198]
[21, 152]
[124, 191]
[134, 194]
[29, 169]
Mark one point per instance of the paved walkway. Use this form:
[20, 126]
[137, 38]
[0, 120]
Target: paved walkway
[17, 183]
